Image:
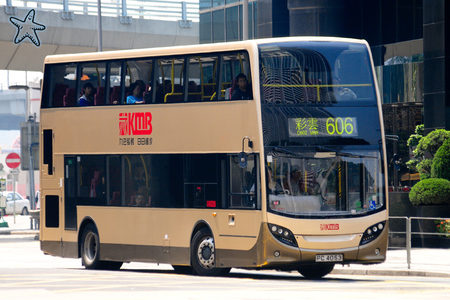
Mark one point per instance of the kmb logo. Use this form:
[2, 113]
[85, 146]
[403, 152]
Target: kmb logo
[135, 123]
[329, 226]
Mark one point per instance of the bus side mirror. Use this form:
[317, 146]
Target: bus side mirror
[242, 160]
[243, 156]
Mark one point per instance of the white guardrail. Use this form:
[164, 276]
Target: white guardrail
[408, 233]
[168, 10]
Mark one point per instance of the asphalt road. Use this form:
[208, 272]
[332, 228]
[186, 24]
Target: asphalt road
[26, 273]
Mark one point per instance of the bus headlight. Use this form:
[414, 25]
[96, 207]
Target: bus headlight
[282, 234]
[372, 233]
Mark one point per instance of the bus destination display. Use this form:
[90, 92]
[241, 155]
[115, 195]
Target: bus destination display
[323, 127]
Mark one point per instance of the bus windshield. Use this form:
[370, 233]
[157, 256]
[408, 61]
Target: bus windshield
[324, 182]
[315, 72]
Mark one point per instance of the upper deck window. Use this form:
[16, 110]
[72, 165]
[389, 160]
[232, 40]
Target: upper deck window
[147, 80]
[315, 72]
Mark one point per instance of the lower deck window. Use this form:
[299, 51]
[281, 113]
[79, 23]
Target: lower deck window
[161, 180]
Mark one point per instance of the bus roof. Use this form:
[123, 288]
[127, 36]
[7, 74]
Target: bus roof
[187, 49]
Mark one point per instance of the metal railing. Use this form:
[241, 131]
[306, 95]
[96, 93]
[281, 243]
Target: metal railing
[168, 10]
[408, 233]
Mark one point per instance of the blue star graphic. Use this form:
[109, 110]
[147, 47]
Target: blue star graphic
[27, 28]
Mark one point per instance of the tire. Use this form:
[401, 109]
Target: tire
[90, 246]
[90, 251]
[24, 211]
[203, 254]
[316, 271]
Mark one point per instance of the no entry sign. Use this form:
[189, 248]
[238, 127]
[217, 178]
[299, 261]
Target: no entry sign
[13, 160]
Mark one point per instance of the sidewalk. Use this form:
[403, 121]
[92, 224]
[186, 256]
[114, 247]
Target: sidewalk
[424, 261]
[22, 225]
[430, 262]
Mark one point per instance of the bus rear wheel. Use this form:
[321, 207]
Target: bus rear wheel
[90, 256]
[316, 271]
[203, 255]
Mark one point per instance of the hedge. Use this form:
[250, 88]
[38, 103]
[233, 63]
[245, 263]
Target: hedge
[432, 191]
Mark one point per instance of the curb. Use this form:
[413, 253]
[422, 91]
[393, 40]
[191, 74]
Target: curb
[21, 232]
[391, 273]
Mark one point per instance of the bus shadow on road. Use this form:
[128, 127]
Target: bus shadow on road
[255, 275]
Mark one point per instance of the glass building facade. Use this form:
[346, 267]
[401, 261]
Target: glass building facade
[222, 20]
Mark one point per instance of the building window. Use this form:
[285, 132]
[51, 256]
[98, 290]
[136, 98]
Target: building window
[227, 24]
[205, 4]
[232, 24]
[218, 26]
[205, 28]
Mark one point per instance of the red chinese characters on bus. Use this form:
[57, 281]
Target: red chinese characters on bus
[135, 123]
[329, 226]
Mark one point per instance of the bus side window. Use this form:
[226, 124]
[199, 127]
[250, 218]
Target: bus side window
[62, 81]
[243, 183]
[233, 64]
[114, 91]
[93, 76]
[202, 78]
[169, 73]
[140, 73]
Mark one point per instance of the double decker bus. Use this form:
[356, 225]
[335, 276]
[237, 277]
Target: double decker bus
[292, 178]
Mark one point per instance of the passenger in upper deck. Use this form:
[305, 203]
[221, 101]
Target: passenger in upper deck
[87, 97]
[140, 200]
[242, 91]
[342, 93]
[136, 93]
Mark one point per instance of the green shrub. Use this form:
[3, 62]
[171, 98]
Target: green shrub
[412, 165]
[441, 162]
[414, 139]
[424, 168]
[432, 191]
[431, 142]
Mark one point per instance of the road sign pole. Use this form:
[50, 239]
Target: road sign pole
[13, 162]
[14, 197]
[3, 223]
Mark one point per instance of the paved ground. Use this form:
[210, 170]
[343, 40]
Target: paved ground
[424, 262]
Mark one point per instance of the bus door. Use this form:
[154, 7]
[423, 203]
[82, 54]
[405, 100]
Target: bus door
[239, 225]
[70, 192]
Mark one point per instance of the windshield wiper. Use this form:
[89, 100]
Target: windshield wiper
[290, 152]
[286, 151]
[340, 153]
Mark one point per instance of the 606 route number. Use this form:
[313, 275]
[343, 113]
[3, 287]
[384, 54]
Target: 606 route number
[340, 125]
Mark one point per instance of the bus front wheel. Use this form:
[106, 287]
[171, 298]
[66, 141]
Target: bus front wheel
[203, 255]
[90, 257]
[316, 271]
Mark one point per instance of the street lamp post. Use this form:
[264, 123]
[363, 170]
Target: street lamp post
[245, 20]
[99, 28]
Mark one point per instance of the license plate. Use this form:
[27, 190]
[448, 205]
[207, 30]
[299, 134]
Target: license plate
[329, 257]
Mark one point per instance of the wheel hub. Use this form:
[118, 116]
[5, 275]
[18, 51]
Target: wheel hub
[205, 253]
[90, 246]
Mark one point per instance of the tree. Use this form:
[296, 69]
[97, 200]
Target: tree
[425, 150]
[414, 139]
[441, 162]
[430, 143]
[412, 142]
